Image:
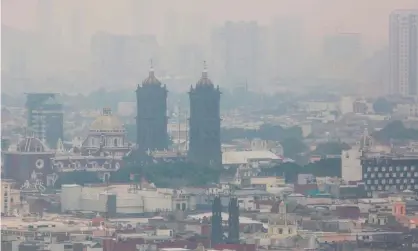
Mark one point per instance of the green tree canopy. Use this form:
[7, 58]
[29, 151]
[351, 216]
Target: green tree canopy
[265, 132]
[382, 106]
[292, 147]
[171, 174]
[330, 148]
[396, 130]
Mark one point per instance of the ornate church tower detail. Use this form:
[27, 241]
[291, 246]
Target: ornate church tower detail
[151, 119]
[205, 122]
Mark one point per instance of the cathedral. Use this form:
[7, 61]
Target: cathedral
[151, 119]
[205, 123]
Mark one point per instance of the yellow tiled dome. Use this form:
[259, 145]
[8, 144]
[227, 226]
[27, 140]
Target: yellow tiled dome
[106, 122]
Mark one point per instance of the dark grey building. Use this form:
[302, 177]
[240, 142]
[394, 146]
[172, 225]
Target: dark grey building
[45, 119]
[390, 173]
[151, 119]
[205, 123]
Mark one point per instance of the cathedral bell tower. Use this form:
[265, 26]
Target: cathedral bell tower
[205, 122]
[151, 119]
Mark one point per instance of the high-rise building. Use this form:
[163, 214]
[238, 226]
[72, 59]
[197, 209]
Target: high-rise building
[151, 119]
[205, 123]
[236, 47]
[216, 222]
[45, 117]
[403, 51]
[121, 59]
[342, 54]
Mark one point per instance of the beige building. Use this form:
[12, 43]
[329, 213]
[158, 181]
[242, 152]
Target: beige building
[10, 197]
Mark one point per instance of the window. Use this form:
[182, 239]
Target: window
[416, 174]
[290, 231]
[280, 230]
[405, 168]
[369, 169]
[387, 175]
[115, 142]
[365, 175]
[401, 175]
[390, 169]
[394, 175]
[376, 182]
[380, 175]
[401, 187]
[376, 169]
[369, 182]
[372, 175]
[383, 181]
[408, 174]
[412, 180]
[412, 168]
[383, 168]
[398, 181]
[398, 168]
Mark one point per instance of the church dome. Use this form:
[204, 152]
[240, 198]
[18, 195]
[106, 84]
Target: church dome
[106, 122]
[31, 144]
[151, 80]
[204, 80]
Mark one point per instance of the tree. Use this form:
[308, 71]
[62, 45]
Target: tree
[396, 130]
[330, 148]
[292, 147]
[265, 132]
[382, 106]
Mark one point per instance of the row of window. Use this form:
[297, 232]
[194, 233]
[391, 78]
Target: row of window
[387, 175]
[387, 187]
[391, 168]
[390, 181]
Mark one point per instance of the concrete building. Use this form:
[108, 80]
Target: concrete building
[45, 117]
[403, 51]
[128, 199]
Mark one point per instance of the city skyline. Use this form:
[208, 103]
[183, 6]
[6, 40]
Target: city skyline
[368, 18]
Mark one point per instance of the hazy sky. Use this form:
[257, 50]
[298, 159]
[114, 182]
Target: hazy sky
[369, 17]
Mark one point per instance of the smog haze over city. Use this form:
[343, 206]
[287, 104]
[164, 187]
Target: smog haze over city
[80, 46]
[198, 125]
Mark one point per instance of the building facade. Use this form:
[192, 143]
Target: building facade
[389, 173]
[45, 117]
[403, 51]
[151, 119]
[205, 123]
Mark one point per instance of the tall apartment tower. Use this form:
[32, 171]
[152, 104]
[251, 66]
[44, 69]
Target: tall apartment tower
[205, 123]
[151, 119]
[45, 119]
[403, 51]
